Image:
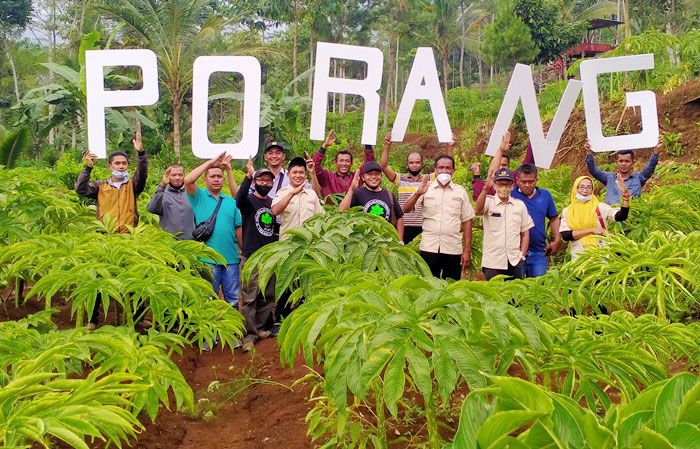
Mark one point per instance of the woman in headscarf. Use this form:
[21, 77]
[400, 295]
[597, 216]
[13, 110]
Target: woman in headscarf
[586, 218]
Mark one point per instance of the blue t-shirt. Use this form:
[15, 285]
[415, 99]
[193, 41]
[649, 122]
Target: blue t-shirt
[540, 206]
[223, 240]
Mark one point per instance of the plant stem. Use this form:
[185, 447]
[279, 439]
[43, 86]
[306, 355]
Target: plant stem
[381, 417]
[431, 418]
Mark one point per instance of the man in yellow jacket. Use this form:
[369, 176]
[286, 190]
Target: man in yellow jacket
[116, 196]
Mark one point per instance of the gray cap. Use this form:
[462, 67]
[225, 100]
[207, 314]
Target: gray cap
[263, 171]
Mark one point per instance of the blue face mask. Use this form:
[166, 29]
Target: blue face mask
[583, 198]
[119, 175]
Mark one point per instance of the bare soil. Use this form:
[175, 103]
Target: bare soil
[255, 406]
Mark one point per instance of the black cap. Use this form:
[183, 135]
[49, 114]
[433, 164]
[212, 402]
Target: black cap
[262, 171]
[271, 145]
[503, 174]
[371, 166]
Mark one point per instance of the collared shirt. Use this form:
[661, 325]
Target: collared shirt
[444, 210]
[334, 182]
[503, 223]
[576, 246]
[223, 240]
[174, 209]
[300, 208]
[540, 207]
[634, 183]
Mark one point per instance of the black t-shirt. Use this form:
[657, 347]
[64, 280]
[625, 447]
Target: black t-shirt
[378, 203]
[258, 222]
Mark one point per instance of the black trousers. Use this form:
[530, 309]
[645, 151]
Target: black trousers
[513, 271]
[410, 233]
[444, 265]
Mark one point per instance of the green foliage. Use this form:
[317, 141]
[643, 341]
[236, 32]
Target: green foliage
[550, 30]
[15, 14]
[75, 385]
[507, 41]
[672, 144]
[514, 413]
[314, 255]
[658, 275]
[12, 145]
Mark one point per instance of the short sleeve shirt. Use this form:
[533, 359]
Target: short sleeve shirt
[576, 246]
[223, 240]
[503, 223]
[381, 203]
[540, 207]
[444, 210]
[300, 208]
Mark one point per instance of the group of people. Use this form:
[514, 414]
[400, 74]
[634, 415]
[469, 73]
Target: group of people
[275, 198]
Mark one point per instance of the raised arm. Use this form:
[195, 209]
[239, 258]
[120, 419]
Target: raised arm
[193, 176]
[480, 203]
[384, 159]
[322, 174]
[311, 168]
[155, 206]
[226, 164]
[413, 199]
[593, 169]
[141, 174]
[346, 203]
[83, 186]
[649, 168]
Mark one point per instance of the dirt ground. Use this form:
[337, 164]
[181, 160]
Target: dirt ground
[255, 406]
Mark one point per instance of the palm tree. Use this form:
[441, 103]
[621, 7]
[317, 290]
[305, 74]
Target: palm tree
[176, 30]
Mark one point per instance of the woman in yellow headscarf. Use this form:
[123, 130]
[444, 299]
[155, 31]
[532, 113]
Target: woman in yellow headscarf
[586, 217]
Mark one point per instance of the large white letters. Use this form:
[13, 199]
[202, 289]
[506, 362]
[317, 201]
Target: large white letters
[646, 100]
[423, 84]
[98, 98]
[249, 68]
[367, 88]
[521, 88]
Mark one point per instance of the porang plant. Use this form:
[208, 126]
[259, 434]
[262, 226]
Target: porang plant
[659, 275]
[382, 346]
[79, 387]
[330, 242]
[147, 267]
[514, 413]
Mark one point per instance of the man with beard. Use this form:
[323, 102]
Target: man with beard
[170, 203]
[338, 181]
[258, 231]
[373, 198]
[446, 244]
[407, 184]
[506, 227]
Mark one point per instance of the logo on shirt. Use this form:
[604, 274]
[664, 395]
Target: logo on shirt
[264, 222]
[377, 207]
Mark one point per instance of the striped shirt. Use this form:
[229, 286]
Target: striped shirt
[407, 186]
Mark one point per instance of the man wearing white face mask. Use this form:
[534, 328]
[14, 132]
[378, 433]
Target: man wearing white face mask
[446, 244]
[506, 227]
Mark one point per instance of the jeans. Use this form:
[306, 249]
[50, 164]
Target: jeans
[229, 279]
[536, 264]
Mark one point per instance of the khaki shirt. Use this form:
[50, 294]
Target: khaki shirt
[300, 208]
[503, 223]
[575, 246]
[444, 210]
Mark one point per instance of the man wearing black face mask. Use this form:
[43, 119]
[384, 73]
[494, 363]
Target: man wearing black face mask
[258, 230]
